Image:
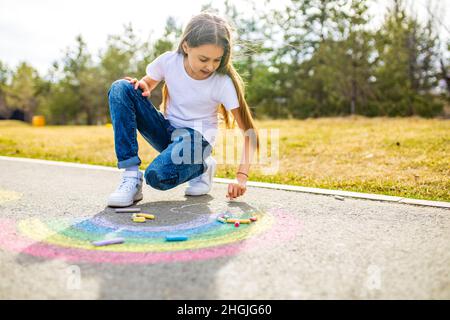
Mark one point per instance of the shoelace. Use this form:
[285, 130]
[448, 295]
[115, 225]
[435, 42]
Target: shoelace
[127, 184]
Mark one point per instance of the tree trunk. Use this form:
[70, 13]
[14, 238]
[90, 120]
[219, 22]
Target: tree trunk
[445, 75]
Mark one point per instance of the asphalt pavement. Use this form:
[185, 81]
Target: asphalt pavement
[302, 246]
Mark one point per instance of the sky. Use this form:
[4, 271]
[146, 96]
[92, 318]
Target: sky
[39, 31]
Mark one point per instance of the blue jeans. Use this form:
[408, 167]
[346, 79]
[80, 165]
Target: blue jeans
[182, 151]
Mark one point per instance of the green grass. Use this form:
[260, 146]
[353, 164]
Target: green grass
[406, 157]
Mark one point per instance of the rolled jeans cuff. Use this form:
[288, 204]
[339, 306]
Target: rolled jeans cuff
[134, 161]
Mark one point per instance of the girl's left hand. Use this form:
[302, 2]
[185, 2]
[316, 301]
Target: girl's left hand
[237, 189]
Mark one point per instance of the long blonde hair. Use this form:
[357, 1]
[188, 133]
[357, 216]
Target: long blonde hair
[208, 28]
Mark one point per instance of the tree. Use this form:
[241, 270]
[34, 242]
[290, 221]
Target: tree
[118, 60]
[445, 71]
[21, 94]
[405, 69]
[353, 63]
[78, 66]
[151, 50]
[304, 62]
[436, 12]
[74, 98]
[4, 76]
[250, 51]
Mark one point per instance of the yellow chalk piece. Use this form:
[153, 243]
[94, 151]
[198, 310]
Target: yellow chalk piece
[245, 221]
[145, 215]
[139, 219]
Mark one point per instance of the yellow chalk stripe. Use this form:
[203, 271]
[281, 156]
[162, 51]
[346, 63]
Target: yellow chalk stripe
[6, 195]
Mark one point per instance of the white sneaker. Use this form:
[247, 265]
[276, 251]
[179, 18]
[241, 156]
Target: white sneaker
[202, 184]
[128, 191]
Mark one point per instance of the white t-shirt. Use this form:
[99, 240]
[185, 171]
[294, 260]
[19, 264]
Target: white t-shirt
[193, 103]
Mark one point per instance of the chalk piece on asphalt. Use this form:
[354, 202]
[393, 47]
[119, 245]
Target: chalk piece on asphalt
[176, 238]
[145, 215]
[139, 219]
[244, 221]
[128, 210]
[108, 242]
[339, 198]
[237, 224]
[220, 219]
[253, 219]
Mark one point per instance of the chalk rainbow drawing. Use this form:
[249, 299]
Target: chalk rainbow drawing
[71, 239]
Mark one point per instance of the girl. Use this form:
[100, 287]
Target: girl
[200, 81]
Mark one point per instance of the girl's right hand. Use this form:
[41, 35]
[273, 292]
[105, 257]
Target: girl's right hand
[139, 84]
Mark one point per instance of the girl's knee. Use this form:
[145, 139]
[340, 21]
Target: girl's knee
[118, 93]
[119, 86]
[151, 178]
